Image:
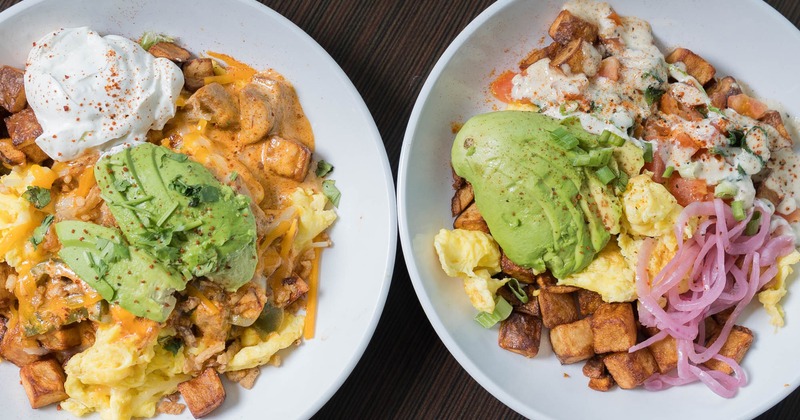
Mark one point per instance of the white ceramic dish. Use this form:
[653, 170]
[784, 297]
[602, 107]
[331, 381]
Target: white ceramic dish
[351, 299]
[738, 38]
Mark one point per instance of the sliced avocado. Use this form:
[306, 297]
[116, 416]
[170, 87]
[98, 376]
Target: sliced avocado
[607, 206]
[174, 209]
[538, 206]
[630, 158]
[121, 274]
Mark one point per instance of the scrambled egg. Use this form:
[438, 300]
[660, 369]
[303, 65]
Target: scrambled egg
[120, 377]
[18, 217]
[648, 210]
[475, 257]
[257, 351]
[772, 296]
[314, 219]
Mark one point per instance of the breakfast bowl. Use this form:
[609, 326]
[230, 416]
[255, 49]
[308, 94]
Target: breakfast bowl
[458, 88]
[355, 272]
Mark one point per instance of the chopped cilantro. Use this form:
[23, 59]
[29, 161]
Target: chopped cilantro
[38, 196]
[653, 75]
[330, 191]
[41, 230]
[719, 151]
[735, 137]
[652, 94]
[171, 344]
[197, 193]
[323, 168]
[121, 184]
[178, 157]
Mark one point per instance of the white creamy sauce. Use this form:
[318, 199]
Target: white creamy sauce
[95, 92]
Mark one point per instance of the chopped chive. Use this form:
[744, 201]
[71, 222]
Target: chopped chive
[622, 180]
[167, 214]
[502, 309]
[648, 152]
[737, 207]
[753, 225]
[517, 290]
[668, 172]
[605, 174]
[139, 200]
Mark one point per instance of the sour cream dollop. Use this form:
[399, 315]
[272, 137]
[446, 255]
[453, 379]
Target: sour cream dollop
[100, 92]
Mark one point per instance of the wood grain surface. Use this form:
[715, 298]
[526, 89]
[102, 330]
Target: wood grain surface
[387, 48]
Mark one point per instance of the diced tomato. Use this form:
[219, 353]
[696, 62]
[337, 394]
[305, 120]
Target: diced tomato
[501, 87]
[686, 140]
[688, 191]
[747, 106]
[609, 68]
[656, 166]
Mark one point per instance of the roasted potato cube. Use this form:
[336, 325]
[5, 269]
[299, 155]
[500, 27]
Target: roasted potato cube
[568, 27]
[735, 347]
[23, 127]
[665, 352]
[603, 383]
[287, 158]
[510, 268]
[614, 327]
[170, 51]
[588, 302]
[289, 290]
[774, 119]
[594, 368]
[214, 104]
[630, 370]
[471, 219]
[722, 317]
[14, 343]
[721, 90]
[571, 55]
[463, 197]
[549, 283]
[43, 382]
[572, 342]
[61, 339]
[203, 394]
[532, 307]
[671, 106]
[195, 72]
[712, 327]
[557, 308]
[696, 66]
[521, 333]
[458, 181]
[549, 51]
[12, 89]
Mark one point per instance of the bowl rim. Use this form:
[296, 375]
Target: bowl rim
[348, 365]
[491, 386]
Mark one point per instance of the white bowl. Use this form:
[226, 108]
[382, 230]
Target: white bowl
[746, 39]
[356, 272]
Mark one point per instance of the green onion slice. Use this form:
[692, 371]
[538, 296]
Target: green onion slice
[668, 172]
[648, 152]
[753, 225]
[605, 174]
[737, 207]
[517, 290]
[564, 138]
[502, 309]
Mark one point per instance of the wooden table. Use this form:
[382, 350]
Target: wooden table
[387, 48]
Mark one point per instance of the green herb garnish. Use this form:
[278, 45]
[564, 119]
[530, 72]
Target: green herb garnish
[737, 207]
[197, 194]
[171, 344]
[648, 152]
[753, 225]
[735, 137]
[517, 290]
[668, 172]
[653, 94]
[41, 230]
[323, 168]
[605, 174]
[502, 309]
[38, 196]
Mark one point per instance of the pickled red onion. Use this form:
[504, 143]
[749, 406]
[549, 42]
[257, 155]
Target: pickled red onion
[725, 269]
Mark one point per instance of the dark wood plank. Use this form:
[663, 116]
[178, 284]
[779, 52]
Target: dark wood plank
[387, 48]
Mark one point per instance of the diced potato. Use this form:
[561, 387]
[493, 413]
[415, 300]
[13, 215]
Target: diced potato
[665, 352]
[462, 198]
[588, 301]
[13, 345]
[43, 382]
[549, 283]
[603, 383]
[61, 339]
[568, 27]
[195, 72]
[510, 268]
[557, 308]
[471, 219]
[532, 306]
[571, 55]
[630, 370]
[614, 327]
[594, 368]
[23, 127]
[735, 347]
[722, 90]
[287, 158]
[712, 327]
[12, 89]
[696, 66]
[521, 334]
[170, 51]
[671, 106]
[722, 317]
[203, 394]
[774, 119]
[549, 51]
[572, 342]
